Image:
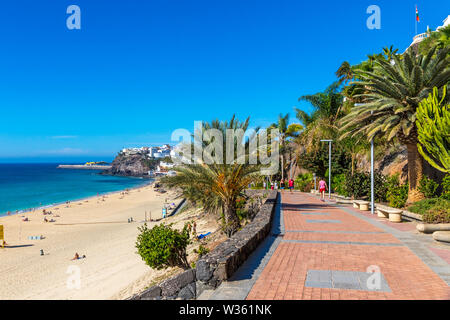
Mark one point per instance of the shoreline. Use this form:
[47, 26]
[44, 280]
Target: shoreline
[56, 204]
[96, 228]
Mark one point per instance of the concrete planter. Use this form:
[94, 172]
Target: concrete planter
[432, 227]
[443, 236]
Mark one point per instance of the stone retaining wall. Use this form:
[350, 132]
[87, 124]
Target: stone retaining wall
[226, 258]
[220, 264]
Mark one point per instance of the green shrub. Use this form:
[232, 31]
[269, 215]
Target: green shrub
[241, 212]
[163, 247]
[422, 206]
[380, 187]
[258, 185]
[304, 182]
[437, 215]
[339, 184]
[436, 210]
[428, 187]
[446, 187]
[358, 185]
[201, 251]
[397, 194]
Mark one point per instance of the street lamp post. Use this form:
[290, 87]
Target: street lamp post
[329, 166]
[372, 193]
[372, 180]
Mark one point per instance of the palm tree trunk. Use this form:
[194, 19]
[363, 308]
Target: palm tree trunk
[232, 223]
[415, 173]
[353, 164]
[282, 167]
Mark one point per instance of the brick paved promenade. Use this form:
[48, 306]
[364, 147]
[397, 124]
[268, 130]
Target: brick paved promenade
[325, 251]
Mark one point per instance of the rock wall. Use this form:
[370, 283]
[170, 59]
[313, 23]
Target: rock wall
[220, 264]
[181, 286]
[133, 165]
[226, 258]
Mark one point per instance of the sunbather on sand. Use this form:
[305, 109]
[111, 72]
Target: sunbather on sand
[77, 256]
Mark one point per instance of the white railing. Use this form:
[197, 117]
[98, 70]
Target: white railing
[420, 37]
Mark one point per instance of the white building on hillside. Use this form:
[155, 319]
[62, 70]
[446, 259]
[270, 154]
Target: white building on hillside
[446, 23]
[420, 37]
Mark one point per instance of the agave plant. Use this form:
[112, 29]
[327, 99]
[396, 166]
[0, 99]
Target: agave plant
[392, 95]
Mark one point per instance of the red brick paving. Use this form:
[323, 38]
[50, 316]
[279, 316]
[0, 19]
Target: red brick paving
[285, 274]
[309, 236]
[443, 253]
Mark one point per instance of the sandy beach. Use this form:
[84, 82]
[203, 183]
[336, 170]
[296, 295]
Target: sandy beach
[96, 227]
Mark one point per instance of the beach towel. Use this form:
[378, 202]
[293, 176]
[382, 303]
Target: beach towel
[203, 235]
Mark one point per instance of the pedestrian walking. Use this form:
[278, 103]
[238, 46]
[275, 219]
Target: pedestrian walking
[322, 188]
[291, 185]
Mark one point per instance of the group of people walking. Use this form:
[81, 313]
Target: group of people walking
[274, 185]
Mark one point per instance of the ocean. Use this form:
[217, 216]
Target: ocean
[25, 186]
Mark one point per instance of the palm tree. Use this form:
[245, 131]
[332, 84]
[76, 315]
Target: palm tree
[345, 72]
[392, 96]
[354, 146]
[321, 123]
[286, 131]
[216, 186]
[389, 52]
[304, 117]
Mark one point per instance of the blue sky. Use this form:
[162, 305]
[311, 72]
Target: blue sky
[137, 70]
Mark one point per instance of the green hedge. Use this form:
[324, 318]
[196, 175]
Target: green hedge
[397, 194]
[163, 247]
[436, 210]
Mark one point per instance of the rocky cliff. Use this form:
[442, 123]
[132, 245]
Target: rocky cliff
[136, 165]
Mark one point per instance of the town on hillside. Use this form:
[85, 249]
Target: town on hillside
[162, 153]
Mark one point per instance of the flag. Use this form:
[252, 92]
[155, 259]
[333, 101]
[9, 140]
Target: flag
[417, 15]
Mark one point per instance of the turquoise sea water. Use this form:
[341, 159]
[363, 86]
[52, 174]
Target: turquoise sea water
[24, 186]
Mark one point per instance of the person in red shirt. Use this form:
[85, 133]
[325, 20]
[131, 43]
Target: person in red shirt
[291, 184]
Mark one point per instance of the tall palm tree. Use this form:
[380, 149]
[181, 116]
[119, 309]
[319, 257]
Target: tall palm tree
[392, 96]
[304, 118]
[345, 72]
[321, 123]
[286, 131]
[216, 186]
